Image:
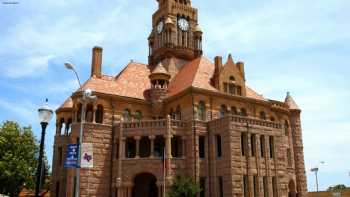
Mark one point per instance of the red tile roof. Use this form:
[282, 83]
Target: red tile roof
[252, 94]
[133, 81]
[67, 104]
[196, 73]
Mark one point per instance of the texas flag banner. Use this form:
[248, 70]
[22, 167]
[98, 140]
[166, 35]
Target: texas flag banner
[87, 155]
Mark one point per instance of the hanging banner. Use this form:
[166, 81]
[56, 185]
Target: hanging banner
[87, 155]
[72, 156]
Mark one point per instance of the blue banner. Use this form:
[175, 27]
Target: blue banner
[72, 156]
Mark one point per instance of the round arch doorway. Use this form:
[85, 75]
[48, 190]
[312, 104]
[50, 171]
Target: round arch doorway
[145, 185]
[291, 189]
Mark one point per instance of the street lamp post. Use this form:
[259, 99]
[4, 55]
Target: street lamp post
[45, 115]
[86, 97]
[316, 175]
[315, 170]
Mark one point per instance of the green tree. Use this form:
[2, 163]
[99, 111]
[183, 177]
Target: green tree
[18, 153]
[337, 188]
[183, 186]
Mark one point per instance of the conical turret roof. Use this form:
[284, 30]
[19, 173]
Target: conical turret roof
[159, 69]
[290, 102]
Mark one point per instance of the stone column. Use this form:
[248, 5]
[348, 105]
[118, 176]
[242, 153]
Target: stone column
[121, 151]
[94, 113]
[58, 128]
[152, 138]
[168, 137]
[183, 141]
[130, 191]
[160, 189]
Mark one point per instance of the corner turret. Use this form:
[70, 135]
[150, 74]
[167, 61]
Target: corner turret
[159, 88]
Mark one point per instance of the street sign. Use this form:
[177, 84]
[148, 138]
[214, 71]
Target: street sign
[72, 156]
[87, 155]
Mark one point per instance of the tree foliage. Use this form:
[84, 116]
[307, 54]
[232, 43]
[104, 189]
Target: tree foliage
[18, 153]
[336, 188]
[183, 186]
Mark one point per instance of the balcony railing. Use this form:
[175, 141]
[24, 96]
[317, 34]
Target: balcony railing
[249, 120]
[145, 124]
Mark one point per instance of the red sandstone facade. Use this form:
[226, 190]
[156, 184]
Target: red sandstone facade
[209, 124]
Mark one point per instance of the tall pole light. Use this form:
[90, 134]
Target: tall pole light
[86, 97]
[45, 115]
[315, 170]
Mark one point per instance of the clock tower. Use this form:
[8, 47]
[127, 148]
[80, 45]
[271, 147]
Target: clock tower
[175, 32]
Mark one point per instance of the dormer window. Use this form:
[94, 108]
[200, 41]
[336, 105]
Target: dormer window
[230, 86]
[232, 89]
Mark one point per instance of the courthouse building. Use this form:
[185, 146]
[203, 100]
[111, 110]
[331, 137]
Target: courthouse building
[199, 113]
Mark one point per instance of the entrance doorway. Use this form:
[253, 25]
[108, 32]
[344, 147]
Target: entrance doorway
[145, 186]
[291, 189]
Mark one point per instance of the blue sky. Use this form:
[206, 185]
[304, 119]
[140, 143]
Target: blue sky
[293, 45]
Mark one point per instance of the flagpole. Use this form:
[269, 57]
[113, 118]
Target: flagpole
[164, 160]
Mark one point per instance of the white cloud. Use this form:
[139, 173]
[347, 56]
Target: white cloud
[24, 109]
[30, 66]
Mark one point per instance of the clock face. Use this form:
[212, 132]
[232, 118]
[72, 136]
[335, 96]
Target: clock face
[183, 24]
[160, 27]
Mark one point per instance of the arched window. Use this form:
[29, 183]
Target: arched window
[126, 115]
[89, 113]
[145, 147]
[223, 111]
[232, 79]
[272, 119]
[243, 112]
[201, 111]
[68, 126]
[138, 115]
[172, 114]
[130, 148]
[176, 146]
[234, 110]
[80, 106]
[262, 115]
[178, 113]
[286, 128]
[61, 126]
[159, 145]
[99, 114]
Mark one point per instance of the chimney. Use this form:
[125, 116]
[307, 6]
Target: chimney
[218, 66]
[240, 66]
[96, 64]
